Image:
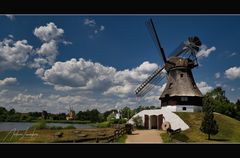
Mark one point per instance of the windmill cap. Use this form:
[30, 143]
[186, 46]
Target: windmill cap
[195, 40]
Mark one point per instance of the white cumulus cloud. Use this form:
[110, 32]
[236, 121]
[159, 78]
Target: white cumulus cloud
[204, 87]
[89, 22]
[205, 51]
[8, 81]
[10, 16]
[48, 32]
[217, 75]
[79, 74]
[14, 54]
[93, 27]
[46, 54]
[87, 75]
[233, 73]
[26, 98]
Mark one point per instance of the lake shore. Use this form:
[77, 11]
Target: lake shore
[56, 121]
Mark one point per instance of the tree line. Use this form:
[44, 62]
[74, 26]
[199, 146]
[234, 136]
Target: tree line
[89, 115]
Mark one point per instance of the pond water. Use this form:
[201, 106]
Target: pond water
[7, 126]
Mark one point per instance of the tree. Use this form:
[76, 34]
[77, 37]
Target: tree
[126, 112]
[3, 110]
[111, 118]
[218, 94]
[209, 125]
[11, 112]
[237, 105]
[238, 102]
[44, 114]
[107, 113]
[94, 115]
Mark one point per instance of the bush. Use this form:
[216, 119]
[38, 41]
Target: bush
[119, 121]
[40, 125]
[104, 124]
[138, 122]
[111, 118]
[129, 128]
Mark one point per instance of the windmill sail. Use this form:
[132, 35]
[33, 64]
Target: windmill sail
[150, 82]
[190, 47]
[155, 38]
[179, 50]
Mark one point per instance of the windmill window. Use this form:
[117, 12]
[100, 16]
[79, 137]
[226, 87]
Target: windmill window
[194, 86]
[184, 98]
[181, 75]
[170, 85]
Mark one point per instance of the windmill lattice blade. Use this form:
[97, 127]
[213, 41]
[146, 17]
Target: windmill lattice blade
[151, 85]
[155, 38]
[148, 87]
[179, 50]
[151, 79]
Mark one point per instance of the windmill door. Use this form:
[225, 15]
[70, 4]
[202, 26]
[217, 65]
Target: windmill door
[160, 121]
[146, 121]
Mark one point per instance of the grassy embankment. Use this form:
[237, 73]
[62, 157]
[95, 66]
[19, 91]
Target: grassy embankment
[229, 130]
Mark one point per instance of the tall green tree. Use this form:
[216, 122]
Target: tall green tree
[218, 94]
[209, 125]
[237, 105]
[44, 114]
[238, 102]
[126, 112]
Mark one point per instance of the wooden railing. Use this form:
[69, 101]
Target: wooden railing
[112, 138]
[118, 131]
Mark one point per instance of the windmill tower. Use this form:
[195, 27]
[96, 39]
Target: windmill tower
[71, 114]
[181, 92]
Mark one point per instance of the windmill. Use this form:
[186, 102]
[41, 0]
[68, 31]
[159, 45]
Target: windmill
[71, 114]
[181, 92]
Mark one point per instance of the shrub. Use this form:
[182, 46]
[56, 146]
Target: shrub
[138, 121]
[111, 118]
[104, 124]
[129, 128]
[39, 125]
[119, 121]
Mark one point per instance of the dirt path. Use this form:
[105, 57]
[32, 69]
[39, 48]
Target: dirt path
[144, 136]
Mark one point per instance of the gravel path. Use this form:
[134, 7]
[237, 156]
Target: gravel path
[144, 136]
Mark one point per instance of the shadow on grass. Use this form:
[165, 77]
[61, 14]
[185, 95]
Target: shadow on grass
[220, 140]
[180, 137]
[134, 134]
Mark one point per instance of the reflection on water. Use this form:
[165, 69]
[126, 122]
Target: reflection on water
[7, 126]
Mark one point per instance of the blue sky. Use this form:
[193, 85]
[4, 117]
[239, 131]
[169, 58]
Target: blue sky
[117, 53]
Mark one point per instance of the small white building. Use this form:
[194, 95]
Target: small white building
[153, 119]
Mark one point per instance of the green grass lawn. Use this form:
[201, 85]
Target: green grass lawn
[122, 139]
[229, 130]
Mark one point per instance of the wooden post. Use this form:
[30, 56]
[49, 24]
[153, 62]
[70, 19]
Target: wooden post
[97, 140]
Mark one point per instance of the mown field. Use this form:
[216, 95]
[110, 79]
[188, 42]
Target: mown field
[229, 130]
